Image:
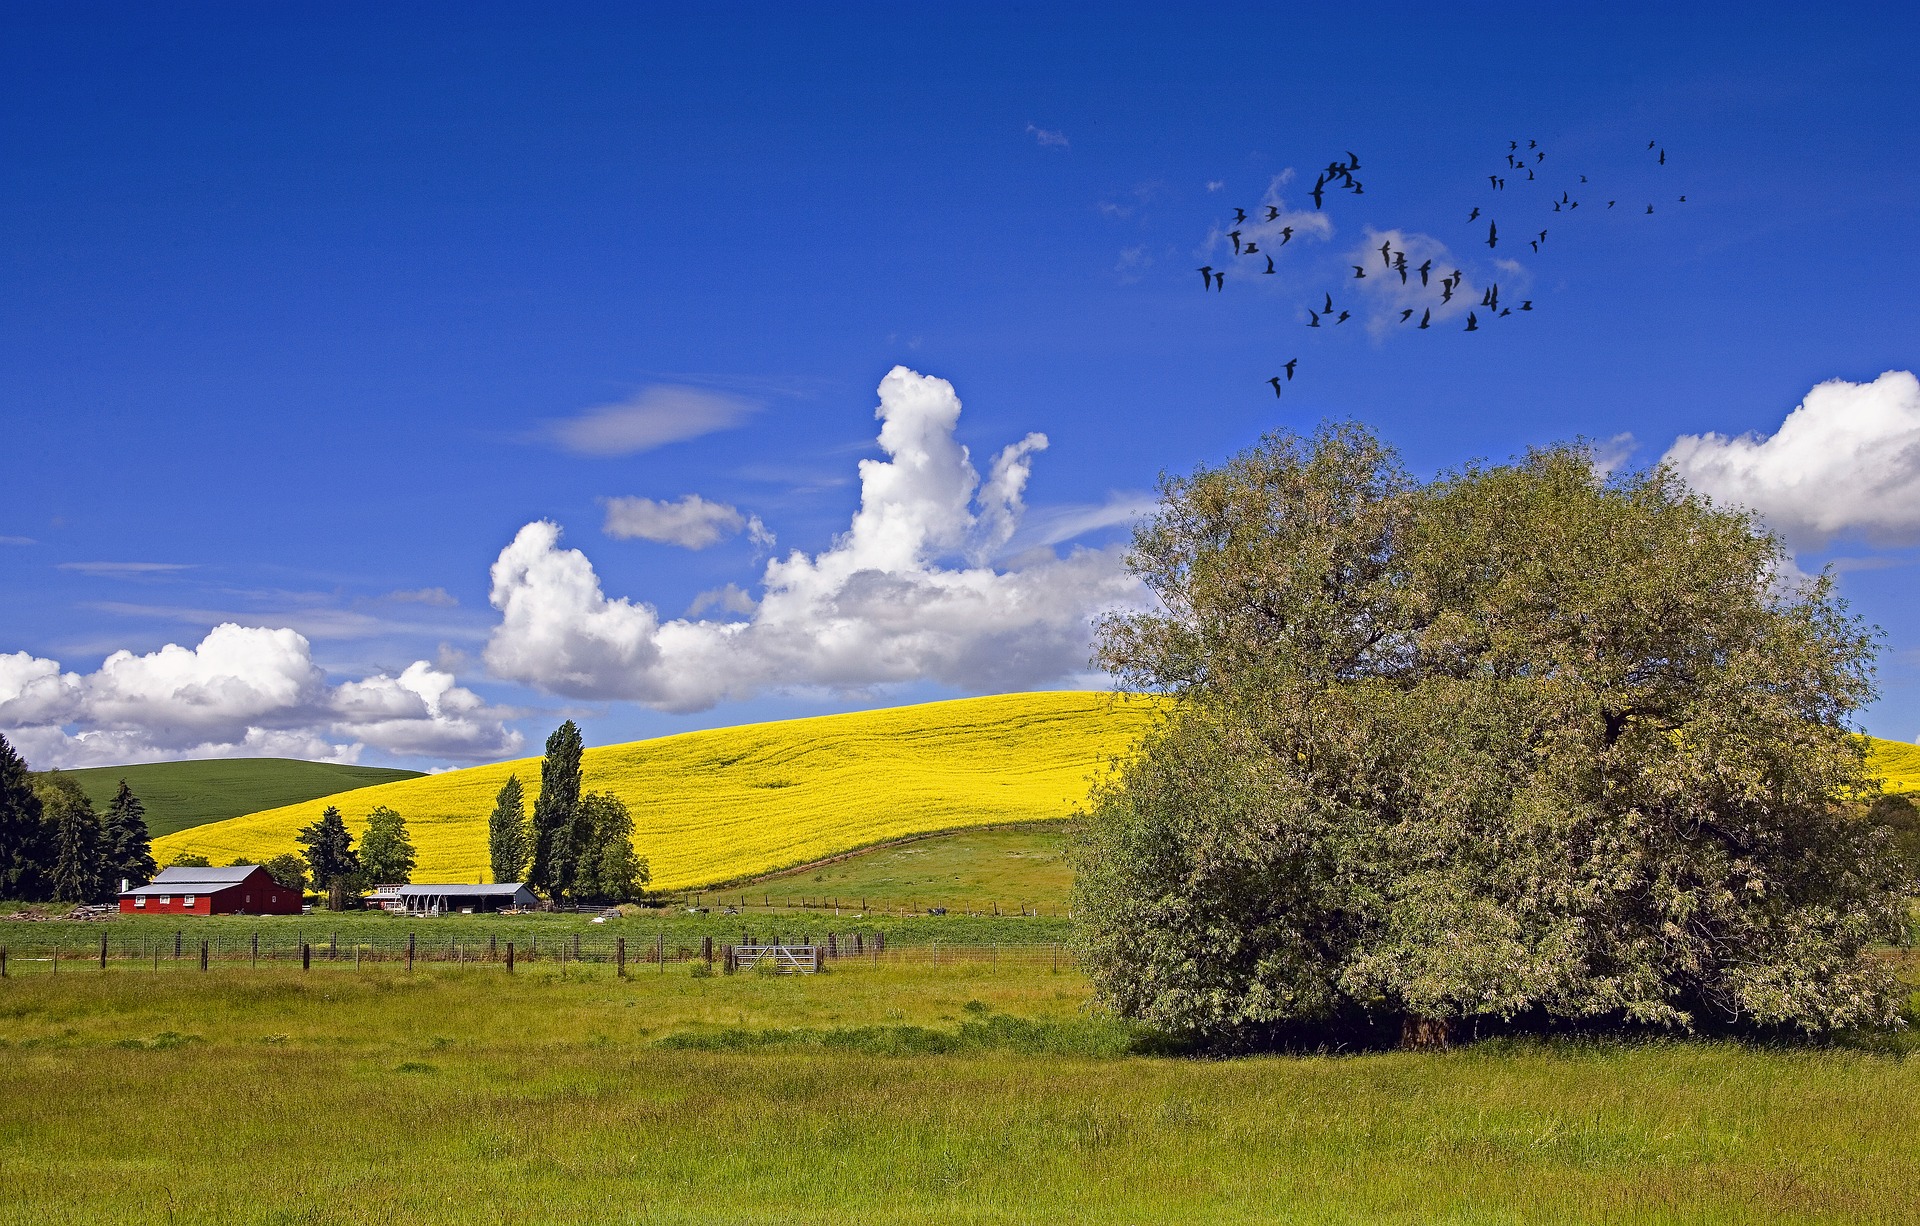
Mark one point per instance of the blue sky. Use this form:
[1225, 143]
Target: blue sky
[312, 310]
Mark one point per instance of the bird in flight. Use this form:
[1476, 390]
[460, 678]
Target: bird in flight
[1235, 236]
[1406, 315]
[1344, 317]
[1206, 276]
[1286, 235]
[1426, 317]
[1683, 200]
[1276, 386]
[1319, 188]
[1386, 253]
[1649, 208]
[1493, 234]
[1273, 214]
[1313, 318]
[1353, 160]
[1473, 324]
[1475, 215]
[1663, 157]
[1424, 270]
[1358, 272]
[1400, 265]
[1269, 265]
[1239, 217]
[1220, 281]
[1252, 249]
[1611, 203]
[1328, 309]
[1526, 304]
[1289, 368]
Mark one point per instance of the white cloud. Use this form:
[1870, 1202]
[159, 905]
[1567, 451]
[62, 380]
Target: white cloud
[17, 540]
[903, 595]
[691, 523]
[122, 569]
[731, 598]
[1610, 454]
[1046, 139]
[242, 691]
[1845, 462]
[652, 418]
[438, 597]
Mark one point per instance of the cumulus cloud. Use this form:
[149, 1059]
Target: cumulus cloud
[242, 691]
[905, 594]
[1845, 462]
[1046, 139]
[691, 523]
[653, 418]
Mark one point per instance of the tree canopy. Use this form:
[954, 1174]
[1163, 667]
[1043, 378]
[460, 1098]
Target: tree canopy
[26, 843]
[507, 832]
[1520, 742]
[330, 855]
[559, 830]
[125, 844]
[386, 853]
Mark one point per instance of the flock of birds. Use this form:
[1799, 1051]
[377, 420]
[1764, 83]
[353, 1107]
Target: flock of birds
[1437, 288]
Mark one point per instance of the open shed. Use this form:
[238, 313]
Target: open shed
[451, 898]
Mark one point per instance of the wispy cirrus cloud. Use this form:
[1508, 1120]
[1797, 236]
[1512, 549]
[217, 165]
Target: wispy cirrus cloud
[651, 418]
[112, 570]
[1046, 138]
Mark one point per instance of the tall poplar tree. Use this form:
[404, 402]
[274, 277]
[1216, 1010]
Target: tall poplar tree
[26, 850]
[78, 873]
[127, 848]
[507, 832]
[557, 815]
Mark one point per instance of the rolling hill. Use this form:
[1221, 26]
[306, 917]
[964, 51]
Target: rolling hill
[730, 803]
[182, 795]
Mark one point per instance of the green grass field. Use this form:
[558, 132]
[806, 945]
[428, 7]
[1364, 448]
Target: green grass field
[182, 795]
[875, 1095]
[1014, 866]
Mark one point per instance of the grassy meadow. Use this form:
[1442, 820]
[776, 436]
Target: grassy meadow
[875, 1095]
[734, 803]
[181, 795]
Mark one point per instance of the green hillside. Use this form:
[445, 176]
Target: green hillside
[182, 795]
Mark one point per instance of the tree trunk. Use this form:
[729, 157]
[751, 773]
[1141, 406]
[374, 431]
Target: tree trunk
[1419, 1033]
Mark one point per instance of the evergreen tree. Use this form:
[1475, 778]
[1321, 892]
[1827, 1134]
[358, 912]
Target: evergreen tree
[556, 815]
[386, 853]
[610, 870]
[127, 848]
[507, 832]
[331, 856]
[78, 865]
[26, 850]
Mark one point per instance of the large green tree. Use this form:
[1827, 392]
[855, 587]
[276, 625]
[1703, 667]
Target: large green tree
[386, 853]
[26, 844]
[558, 826]
[1520, 742]
[507, 832]
[126, 845]
[78, 873]
[330, 856]
[288, 870]
[610, 870]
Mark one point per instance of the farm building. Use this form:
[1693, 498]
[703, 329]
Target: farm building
[241, 889]
[447, 898]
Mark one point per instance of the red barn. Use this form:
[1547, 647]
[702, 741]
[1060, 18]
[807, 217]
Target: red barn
[244, 889]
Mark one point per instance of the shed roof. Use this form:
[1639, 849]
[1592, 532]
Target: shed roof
[503, 889]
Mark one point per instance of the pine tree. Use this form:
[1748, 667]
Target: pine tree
[331, 856]
[507, 832]
[556, 815]
[127, 848]
[78, 866]
[26, 851]
[386, 853]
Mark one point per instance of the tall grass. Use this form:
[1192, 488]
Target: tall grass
[456, 1096]
[732, 803]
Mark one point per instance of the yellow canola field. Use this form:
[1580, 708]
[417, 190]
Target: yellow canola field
[727, 803]
[1896, 762]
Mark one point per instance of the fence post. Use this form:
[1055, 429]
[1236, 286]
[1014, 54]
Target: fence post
[306, 956]
[203, 955]
[3, 961]
[509, 957]
[103, 951]
[726, 959]
[620, 957]
[409, 953]
[493, 946]
[256, 951]
[176, 942]
[706, 949]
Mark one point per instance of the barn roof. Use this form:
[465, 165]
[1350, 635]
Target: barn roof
[179, 880]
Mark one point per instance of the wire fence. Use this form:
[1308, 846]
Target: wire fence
[624, 954]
